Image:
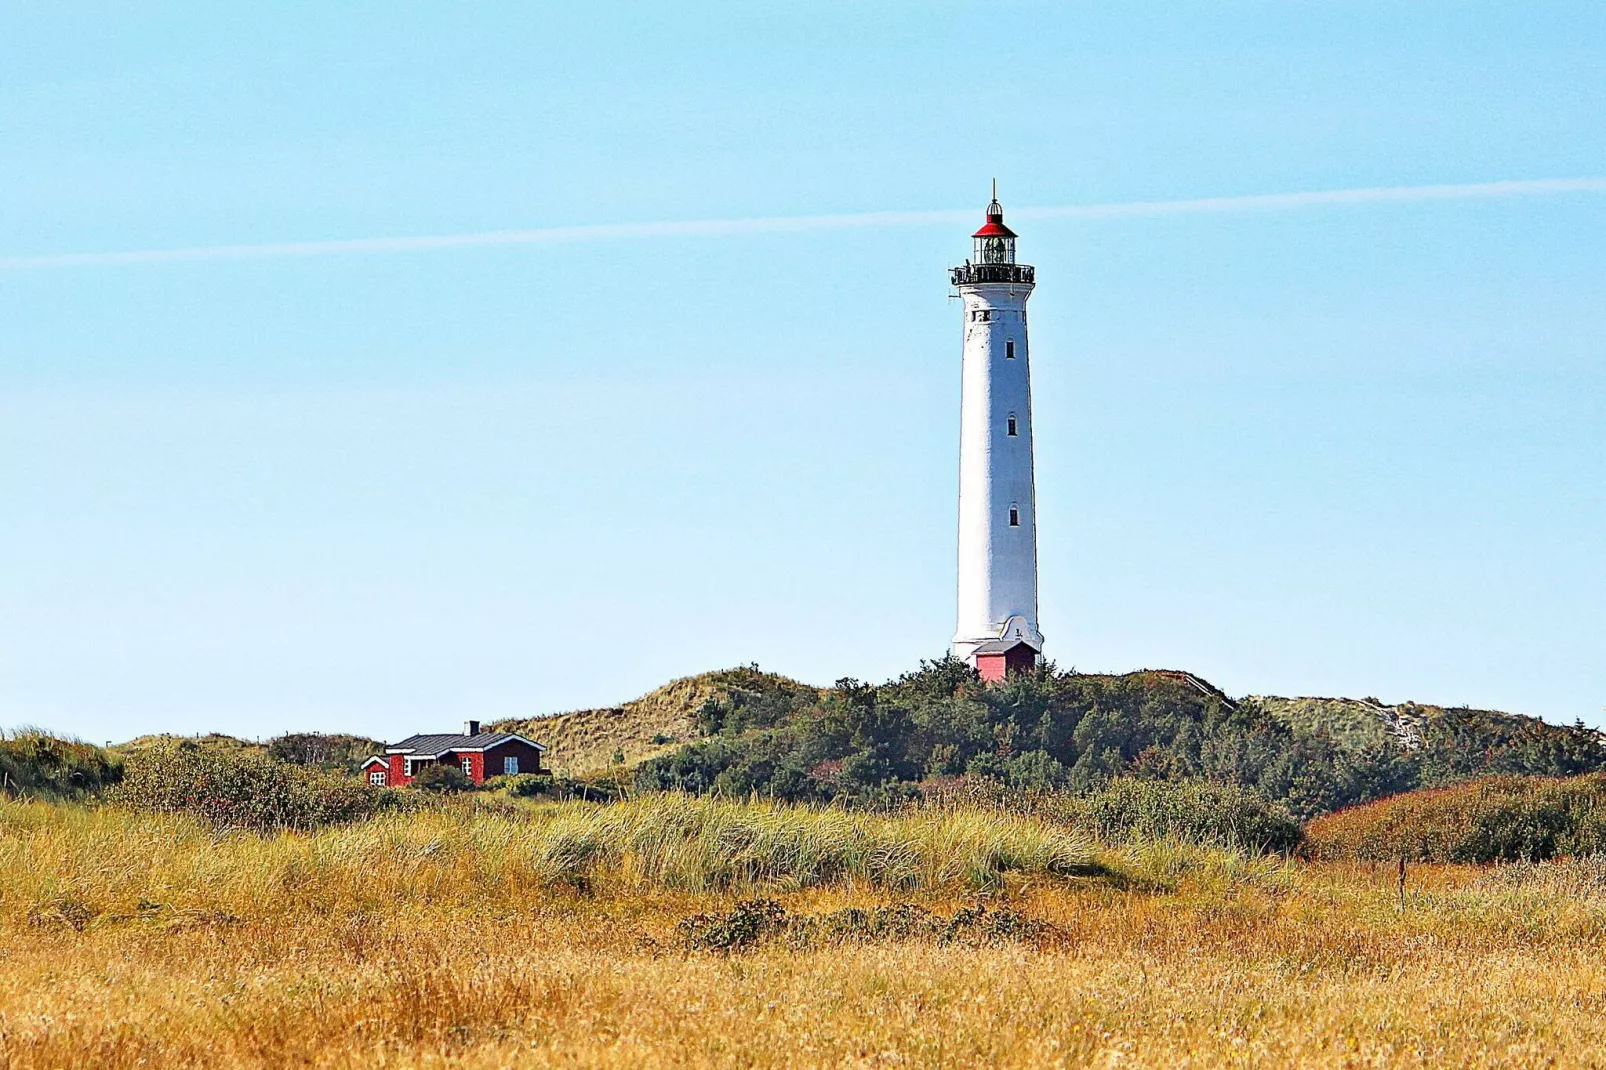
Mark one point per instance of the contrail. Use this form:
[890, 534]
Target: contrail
[704, 228]
[1461, 191]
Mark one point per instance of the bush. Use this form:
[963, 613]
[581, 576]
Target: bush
[1126, 810]
[36, 764]
[1198, 811]
[442, 778]
[547, 786]
[242, 789]
[1492, 819]
[1036, 770]
[520, 785]
[756, 920]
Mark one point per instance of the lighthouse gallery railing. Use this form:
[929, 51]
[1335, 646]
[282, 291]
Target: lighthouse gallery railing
[973, 273]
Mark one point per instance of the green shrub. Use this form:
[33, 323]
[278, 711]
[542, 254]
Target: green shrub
[544, 786]
[35, 764]
[754, 921]
[1127, 810]
[1036, 770]
[750, 922]
[520, 785]
[442, 778]
[1198, 811]
[1492, 819]
[243, 789]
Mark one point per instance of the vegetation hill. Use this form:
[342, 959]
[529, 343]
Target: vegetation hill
[36, 765]
[1353, 723]
[1051, 731]
[586, 742]
[211, 741]
[942, 732]
[1361, 723]
[334, 752]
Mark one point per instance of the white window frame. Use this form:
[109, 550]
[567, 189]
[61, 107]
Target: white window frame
[510, 765]
[376, 777]
[468, 767]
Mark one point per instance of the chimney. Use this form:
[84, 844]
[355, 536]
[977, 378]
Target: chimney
[471, 728]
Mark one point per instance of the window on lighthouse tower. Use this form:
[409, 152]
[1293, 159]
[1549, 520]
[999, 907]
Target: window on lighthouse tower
[1014, 516]
[1011, 425]
[1009, 349]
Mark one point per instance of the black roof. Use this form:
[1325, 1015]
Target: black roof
[1000, 646]
[440, 744]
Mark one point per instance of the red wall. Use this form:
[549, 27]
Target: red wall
[991, 667]
[994, 667]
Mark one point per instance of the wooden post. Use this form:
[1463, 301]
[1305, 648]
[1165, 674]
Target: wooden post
[1402, 884]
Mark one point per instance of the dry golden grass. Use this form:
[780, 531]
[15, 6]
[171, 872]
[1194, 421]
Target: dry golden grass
[432, 940]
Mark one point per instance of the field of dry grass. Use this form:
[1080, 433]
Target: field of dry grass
[554, 936]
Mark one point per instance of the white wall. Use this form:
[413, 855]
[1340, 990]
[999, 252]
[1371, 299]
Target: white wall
[997, 562]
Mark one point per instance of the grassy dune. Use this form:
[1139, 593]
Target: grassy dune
[553, 936]
[584, 742]
[38, 765]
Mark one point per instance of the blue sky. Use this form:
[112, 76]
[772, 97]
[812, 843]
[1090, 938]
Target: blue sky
[1352, 448]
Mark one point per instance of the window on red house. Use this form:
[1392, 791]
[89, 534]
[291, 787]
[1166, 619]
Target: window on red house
[377, 777]
[468, 766]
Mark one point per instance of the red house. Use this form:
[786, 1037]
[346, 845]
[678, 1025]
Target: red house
[478, 754]
[1003, 657]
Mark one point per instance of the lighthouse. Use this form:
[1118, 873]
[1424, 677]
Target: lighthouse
[997, 631]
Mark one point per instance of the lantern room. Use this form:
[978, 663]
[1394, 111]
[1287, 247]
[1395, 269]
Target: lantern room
[994, 242]
[993, 257]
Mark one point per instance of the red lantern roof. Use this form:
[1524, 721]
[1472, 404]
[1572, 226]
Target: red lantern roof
[994, 227]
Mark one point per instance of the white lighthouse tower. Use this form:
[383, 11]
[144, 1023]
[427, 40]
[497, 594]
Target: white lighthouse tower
[997, 630]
